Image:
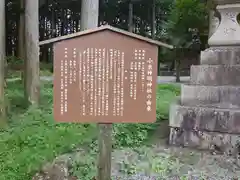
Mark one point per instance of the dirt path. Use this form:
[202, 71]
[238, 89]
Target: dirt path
[158, 161]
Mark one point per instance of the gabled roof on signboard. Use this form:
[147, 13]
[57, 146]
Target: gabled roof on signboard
[105, 27]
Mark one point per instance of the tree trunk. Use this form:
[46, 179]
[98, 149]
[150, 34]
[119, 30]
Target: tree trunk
[2, 61]
[159, 66]
[45, 47]
[177, 61]
[178, 56]
[63, 16]
[32, 80]
[130, 16]
[89, 14]
[21, 44]
[153, 19]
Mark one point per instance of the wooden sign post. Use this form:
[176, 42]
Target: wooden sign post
[105, 151]
[105, 75]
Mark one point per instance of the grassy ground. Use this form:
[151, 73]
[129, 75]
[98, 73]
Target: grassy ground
[17, 74]
[45, 69]
[33, 138]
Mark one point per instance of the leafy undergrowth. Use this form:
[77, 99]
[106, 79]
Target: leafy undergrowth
[16, 65]
[166, 94]
[17, 73]
[33, 138]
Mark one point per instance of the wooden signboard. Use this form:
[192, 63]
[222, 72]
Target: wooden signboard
[105, 75]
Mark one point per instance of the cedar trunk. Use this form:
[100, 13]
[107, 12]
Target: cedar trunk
[21, 44]
[130, 16]
[153, 19]
[31, 78]
[2, 62]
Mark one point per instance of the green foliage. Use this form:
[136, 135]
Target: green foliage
[187, 17]
[166, 94]
[15, 67]
[131, 134]
[33, 138]
[12, 60]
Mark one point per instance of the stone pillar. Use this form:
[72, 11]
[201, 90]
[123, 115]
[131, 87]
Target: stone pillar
[228, 32]
[207, 114]
[213, 23]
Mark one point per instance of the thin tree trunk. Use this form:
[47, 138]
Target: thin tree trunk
[63, 15]
[89, 14]
[153, 19]
[32, 80]
[130, 16]
[76, 24]
[177, 61]
[53, 23]
[2, 61]
[21, 44]
[21, 31]
[46, 36]
[158, 66]
[178, 56]
[53, 33]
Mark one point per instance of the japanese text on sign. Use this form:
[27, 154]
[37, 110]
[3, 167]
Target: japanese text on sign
[96, 68]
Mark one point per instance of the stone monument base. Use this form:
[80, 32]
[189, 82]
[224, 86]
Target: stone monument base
[207, 114]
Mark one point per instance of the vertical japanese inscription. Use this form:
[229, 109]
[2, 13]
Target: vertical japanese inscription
[118, 83]
[87, 83]
[70, 70]
[137, 72]
[95, 80]
[61, 87]
[84, 84]
[111, 63]
[92, 81]
[74, 65]
[114, 82]
[143, 76]
[65, 80]
[98, 68]
[140, 58]
[101, 80]
[122, 85]
[131, 80]
[149, 84]
[80, 76]
[117, 62]
[142, 69]
[107, 83]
